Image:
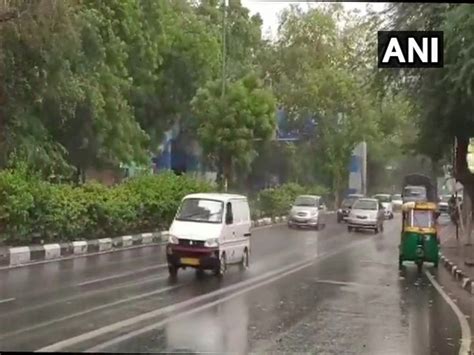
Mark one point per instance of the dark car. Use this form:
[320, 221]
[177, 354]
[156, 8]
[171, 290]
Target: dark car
[345, 209]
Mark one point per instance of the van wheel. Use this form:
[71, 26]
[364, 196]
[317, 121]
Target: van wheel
[350, 229]
[222, 267]
[244, 264]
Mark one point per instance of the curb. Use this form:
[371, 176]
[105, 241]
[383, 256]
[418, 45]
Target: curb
[27, 255]
[457, 273]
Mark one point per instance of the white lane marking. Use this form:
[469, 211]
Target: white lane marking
[90, 310]
[84, 294]
[7, 300]
[176, 307]
[116, 276]
[348, 283]
[197, 309]
[465, 329]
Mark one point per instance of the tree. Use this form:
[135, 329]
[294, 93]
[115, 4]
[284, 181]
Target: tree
[312, 73]
[66, 85]
[230, 124]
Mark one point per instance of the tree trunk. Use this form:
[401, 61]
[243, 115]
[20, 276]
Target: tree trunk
[467, 206]
[337, 188]
[227, 172]
[462, 173]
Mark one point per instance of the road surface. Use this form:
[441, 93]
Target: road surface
[325, 292]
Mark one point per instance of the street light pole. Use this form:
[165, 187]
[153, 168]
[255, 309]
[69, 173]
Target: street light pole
[223, 178]
[224, 15]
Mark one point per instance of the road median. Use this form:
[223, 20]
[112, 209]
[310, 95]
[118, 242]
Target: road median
[27, 255]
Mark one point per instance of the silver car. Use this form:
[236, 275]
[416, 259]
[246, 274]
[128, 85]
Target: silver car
[366, 213]
[307, 211]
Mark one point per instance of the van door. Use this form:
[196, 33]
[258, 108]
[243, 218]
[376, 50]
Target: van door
[246, 225]
[230, 231]
[242, 225]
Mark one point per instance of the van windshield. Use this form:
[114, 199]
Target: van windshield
[201, 210]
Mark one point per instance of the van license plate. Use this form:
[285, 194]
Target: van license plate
[190, 261]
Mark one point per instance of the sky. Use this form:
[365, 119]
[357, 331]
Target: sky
[269, 10]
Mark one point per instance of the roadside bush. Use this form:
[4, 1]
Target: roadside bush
[30, 207]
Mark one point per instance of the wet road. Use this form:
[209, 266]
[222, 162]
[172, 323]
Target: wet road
[325, 292]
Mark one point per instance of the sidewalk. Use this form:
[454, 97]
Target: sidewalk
[457, 257]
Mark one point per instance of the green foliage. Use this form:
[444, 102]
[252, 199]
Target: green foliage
[230, 124]
[443, 98]
[60, 212]
[97, 83]
[313, 76]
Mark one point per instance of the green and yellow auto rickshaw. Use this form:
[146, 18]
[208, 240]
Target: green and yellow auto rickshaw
[419, 238]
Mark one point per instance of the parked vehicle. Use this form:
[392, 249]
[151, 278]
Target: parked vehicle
[366, 213]
[210, 232]
[386, 202]
[345, 209]
[307, 211]
[443, 204]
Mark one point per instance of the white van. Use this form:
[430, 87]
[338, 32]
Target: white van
[209, 232]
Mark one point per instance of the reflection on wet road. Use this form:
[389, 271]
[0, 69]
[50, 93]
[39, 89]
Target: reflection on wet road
[325, 292]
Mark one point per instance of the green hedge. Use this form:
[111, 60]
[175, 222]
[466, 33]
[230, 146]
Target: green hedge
[276, 201]
[32, 208]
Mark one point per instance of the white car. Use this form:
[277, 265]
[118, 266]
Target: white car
[397, 202]
[443, 204]
[386, 202]
[366, 213]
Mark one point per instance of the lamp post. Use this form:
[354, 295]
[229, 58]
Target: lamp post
[223, 178]
[224, 45]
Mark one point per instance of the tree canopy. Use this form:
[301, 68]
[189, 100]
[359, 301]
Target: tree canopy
[97, 83]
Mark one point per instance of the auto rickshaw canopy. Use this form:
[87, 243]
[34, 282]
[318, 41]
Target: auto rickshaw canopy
[419, 217]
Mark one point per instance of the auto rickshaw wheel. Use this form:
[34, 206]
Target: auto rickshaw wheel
[349, 229]
[400, 262]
